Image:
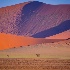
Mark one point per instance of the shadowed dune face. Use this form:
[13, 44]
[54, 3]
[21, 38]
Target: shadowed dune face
[9, 41]
[64, 26]
[63, 35]
[31, 18]
[26, 13]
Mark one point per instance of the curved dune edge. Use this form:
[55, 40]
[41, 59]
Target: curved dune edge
[9, 40]
[63, 35]
[59, 50]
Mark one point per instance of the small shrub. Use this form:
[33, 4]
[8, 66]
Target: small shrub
[52, 42]
[28, 45]
[38, 55]
[14, 47]
[20, 46]
[7, 55]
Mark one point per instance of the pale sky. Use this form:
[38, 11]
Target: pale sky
[4, 3]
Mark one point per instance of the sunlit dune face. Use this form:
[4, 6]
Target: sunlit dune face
[63, 35]
[8, 41]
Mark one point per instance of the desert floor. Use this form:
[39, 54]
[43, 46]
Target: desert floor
[45, 56]
[34, 64]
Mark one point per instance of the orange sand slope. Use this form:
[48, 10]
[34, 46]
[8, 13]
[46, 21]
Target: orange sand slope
[59, 49]
[9, 41]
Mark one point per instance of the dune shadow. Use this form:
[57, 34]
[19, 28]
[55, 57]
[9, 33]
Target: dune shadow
[26, 12]
[64, 26]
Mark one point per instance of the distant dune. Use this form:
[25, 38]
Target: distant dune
[31, 18]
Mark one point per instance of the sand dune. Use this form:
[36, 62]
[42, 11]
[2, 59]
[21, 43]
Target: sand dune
[19, 23]
[9, 41]
[30, 18]
[47, 50]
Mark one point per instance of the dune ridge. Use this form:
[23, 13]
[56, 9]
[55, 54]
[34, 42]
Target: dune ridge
[9, 40]
[38, 17]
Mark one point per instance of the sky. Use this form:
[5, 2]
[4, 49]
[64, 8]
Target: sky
[4, 3]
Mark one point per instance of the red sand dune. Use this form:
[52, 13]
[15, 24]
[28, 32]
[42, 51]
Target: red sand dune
[9, 41]
[43, 18]
[8, 17]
